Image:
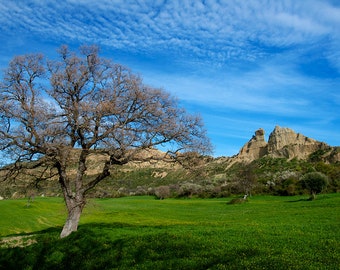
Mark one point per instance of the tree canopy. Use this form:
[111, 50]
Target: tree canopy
[314, 182]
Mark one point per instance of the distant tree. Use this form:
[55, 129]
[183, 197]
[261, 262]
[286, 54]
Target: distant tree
[188, 189]
[314, 182]
[56, 112]
[247, 180]
[162, 192]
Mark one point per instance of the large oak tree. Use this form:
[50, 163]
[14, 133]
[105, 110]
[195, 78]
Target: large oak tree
[81, 102]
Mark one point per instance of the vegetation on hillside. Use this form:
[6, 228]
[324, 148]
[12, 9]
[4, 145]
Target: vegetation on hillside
[213, 177]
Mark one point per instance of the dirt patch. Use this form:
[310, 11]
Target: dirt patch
[17, 241]
[159, 174]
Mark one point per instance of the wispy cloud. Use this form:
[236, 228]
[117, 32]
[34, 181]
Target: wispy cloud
[272, 88]
[260, 61]
[209, 30]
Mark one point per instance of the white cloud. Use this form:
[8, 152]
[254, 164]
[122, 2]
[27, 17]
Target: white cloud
[238, 56]
[274, 88]
[211, 30]
[299, 24]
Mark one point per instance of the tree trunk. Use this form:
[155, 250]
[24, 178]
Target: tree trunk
[75, 197]
[313, 196]
[74, 210]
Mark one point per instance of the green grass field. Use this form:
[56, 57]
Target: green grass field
[143, 233]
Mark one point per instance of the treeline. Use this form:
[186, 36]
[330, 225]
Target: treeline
[214, 179]
[274, 176]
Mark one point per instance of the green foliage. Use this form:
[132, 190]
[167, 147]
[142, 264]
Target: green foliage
[314, 182]
[333, 173]
[144, 233]
[238, 201]
[317, 155]
[280, 176]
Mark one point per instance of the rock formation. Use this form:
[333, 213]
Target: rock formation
[255, 148]
[283, 142]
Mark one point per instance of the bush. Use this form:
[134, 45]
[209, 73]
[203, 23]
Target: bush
[189, 190]
[314, 182]
[287, 187]
[238, 200]
[162, 192]
[141, 191]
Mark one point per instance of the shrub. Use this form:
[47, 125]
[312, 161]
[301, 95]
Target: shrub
[314, 182]
[141, 191]
[162, 192]
[238, 200]
[189, 190]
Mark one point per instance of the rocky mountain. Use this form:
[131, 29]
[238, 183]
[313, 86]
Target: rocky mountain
[285, 143]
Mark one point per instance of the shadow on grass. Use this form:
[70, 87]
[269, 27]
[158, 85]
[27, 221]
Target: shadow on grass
[106, 246]
[299, 200]
[50, 230]
[319, 197]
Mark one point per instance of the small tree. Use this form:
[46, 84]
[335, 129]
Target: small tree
[162, 192]
[247, 180]
[188, 189]
[314, 182]
[57, 112]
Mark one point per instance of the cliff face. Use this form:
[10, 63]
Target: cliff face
[282, 142]
[256, 147]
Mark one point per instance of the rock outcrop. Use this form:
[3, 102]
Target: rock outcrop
[255, 148]
[282, 142]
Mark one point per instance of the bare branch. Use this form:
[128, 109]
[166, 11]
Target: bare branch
[87, 103]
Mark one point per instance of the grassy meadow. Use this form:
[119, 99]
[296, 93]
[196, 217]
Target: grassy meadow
[266, 232]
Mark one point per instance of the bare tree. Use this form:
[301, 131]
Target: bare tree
[53, 112]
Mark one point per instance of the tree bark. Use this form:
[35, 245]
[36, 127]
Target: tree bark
[74, 210]
[75, 197]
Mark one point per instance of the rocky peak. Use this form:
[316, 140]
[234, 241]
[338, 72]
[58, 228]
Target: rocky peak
[283, 142]
[255, 148]
[281, 137]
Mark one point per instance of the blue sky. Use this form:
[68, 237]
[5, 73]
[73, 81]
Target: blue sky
[242, 65]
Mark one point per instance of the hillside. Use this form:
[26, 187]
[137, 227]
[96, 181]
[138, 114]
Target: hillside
[273, 167]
